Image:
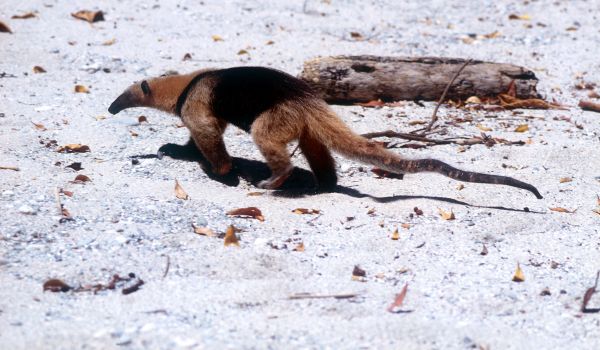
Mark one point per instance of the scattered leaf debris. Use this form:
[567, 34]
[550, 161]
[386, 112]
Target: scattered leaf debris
[249, 212]
[82, 89]
[418, 211]
[446, 215]
[80, 179]
[142, 119]
[398, 300]
[523, 17]
[89, 16]
[26, 15]
[179, 192]
[588, 296]
[358, 274]
[4, 28]
[38, 69]
[38, 126]
[187, 57]
[565, 179]
[306, 211]
[217, 38]
[299, 247]
[55, 285]
[395, 235]
[562, 210]
[230, 237]
[522, 128]
[73, 148]
[484, 250]
[203, 231]
[109, 42]
[589, 106]
[519, 276]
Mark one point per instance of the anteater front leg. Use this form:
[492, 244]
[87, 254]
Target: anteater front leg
[207, 133]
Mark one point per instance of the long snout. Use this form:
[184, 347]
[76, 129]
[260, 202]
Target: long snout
[122, 102]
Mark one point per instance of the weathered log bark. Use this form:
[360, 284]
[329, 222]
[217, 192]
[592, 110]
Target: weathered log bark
[350, 79]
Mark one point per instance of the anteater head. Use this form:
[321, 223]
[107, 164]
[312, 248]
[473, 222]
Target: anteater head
[137, 95]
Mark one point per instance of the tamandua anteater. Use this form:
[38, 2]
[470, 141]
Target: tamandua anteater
[276, 108]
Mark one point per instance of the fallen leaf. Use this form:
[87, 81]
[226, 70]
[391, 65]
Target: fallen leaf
[371, 211]
[254, 194]
[56, 285]
[187, 57]
[589, 106]
[358, 274]
[395, 235]
[522, 128]
[446, 215]
[217, 38]
[588, 295]
[417, 122]
[67, 193]
[562, 210]
[39, 126]
[179, 192]
[133, 133]
[109, 42]
[230, 237]
[405, 225]
[26, 15]
[305, 211]
[460, 187]
[565, 179]
[73, 148]
[38, 69]
[356, 35]
[523, 17]
[418, 211]
[100, 117]
[484, 250]
[4, 28]
[243, 52]
[492, 35]
[483, 128]
[252, 212]
[399, 299]
[270, 42]
[519, 276]
[473, 99]
[142, 119]
[203, 231]
[79, 179]
[510, 102]
[89, 16]
[82, 89]
[299, 247]
[75, 166]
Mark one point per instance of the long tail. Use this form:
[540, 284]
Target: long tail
[329, 129]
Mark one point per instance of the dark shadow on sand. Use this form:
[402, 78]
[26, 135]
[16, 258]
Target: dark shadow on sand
[301, 183]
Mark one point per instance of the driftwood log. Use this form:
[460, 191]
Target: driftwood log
[351, 79]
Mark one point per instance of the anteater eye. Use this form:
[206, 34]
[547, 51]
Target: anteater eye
[145, 88]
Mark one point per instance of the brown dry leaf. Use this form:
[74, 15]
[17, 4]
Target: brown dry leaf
[133, 133]
[270, 42]
[230, 237]
[179, 192]
[254, 194]
[483, 128]
[89, 16]
[358, 274]
[26, 15]
[100, 117]
[217, 38]
[523, 17]
[56, 285]
[446, 215]
[203, 231]
[473, 99]
[306, 211]
[383, 173]
[4, 28]
[562, 210]
[593, 94]
[460, 187]
[73, 148]
[405, 225]
[510, 102]
[39, 126]
[373, 103]
[484, 250]
[38, 69]
[589, 106]
[243, 52]
[109, 42]
[82, 89]
[588, 295]
[187, 57]
[565, 179]
[399, 299]
[522, 128]
[299, 247]
[67, 193]
[395, 235]
[142, 119]
[252, 212]
[356, 35]
[418, 211]
[417, 122]
[597, 211]
[79, 179]
[492, 35]
[519, 276]
[371, 211]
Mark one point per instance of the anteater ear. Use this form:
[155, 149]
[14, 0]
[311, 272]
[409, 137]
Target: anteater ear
[145, 88]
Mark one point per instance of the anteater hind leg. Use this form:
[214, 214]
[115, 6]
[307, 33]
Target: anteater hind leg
[320, 160]
[207, 133]
[272, 135]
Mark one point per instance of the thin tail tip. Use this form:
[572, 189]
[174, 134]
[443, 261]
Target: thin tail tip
[537, 193]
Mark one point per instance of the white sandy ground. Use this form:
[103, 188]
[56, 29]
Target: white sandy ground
[128, 219]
